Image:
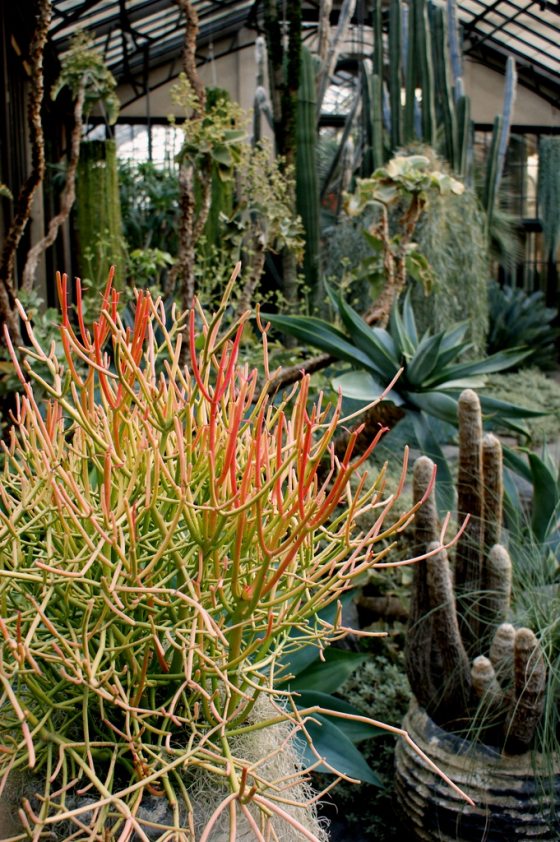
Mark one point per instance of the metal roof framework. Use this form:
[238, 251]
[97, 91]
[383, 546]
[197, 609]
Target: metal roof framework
[136, 36]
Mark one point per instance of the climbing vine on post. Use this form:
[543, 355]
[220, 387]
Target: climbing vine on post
[22, 210]
[84, 72]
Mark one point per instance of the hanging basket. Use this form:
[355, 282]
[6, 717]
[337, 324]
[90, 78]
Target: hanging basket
[514, 798]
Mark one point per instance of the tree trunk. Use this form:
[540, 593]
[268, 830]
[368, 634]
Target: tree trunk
[66, 200]
[8, 314]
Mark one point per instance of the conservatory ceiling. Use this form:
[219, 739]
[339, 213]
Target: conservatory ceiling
[138, 35]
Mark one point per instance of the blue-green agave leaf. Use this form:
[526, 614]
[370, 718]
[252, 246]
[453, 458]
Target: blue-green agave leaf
[321, 335]
[363, 386]
[377, 344]
[354, 730]
[339, 752]
[328, 675]
[424, 360]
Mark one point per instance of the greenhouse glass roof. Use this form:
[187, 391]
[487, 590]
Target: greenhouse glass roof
[137, 35]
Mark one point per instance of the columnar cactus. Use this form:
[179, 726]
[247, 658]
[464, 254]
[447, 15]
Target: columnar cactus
[460, 612]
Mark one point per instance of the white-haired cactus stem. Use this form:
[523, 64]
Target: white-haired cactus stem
[530, 684]
[501, 653]
[456, 683]
[493, 490]
[468, 554]
[486, 685]
[419, 638]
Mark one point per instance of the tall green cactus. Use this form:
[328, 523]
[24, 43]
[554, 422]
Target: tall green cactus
[395, 71]
[445, 103]
[307, 184]
[423, 34]
[456, 617]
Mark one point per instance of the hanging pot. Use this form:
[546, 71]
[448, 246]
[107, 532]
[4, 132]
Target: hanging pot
[515, 797]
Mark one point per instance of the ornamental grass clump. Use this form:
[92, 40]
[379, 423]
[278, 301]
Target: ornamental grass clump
[165, 542]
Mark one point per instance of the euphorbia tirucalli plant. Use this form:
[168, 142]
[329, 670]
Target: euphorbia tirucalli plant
[165, 539]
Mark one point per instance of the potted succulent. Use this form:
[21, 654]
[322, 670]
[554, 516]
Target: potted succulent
[165, 545]
[479, 682]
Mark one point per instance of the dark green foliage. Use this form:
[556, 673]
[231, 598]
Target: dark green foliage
[549, 192]
[432, 375]
[150, 205]
[521, 319]
[379, 689]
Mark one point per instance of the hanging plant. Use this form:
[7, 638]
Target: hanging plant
[549, 193]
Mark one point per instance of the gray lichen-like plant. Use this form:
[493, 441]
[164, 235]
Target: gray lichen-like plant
[459, 613]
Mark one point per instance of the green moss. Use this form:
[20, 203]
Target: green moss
[530, 388]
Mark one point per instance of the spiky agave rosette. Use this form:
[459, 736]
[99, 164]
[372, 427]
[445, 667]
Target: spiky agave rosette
[164, 541]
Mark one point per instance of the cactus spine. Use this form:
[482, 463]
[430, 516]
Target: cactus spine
[506, 683]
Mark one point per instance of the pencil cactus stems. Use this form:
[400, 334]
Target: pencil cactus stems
[165, 542]
[527, 703]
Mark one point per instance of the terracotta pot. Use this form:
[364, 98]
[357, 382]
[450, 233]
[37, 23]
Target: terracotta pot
[513, 795]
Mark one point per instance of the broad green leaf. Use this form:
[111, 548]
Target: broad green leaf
[435, 403]
[339, 752]
[424, 360]
[321, 335]
[328, 675]
[409, 320]
[397, 328]
[363, 386]
[381, 351]
[516, 463]
[545, 495]
[489, 365]
[375, 242]
[502, 409]
[463, 383]
[355, 731]
[454, 336]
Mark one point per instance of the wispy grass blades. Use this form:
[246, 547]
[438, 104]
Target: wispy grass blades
[162, 530]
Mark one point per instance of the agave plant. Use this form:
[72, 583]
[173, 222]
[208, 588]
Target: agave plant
[432, 369]
[522, 319]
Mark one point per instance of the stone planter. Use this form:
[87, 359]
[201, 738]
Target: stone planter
[513, 800]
